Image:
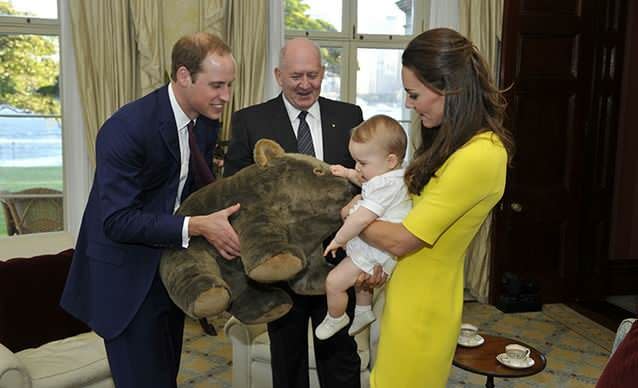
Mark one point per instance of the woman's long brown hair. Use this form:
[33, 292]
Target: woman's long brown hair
[449, 64]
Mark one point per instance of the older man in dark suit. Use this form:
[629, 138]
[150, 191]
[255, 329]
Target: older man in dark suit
[143, 171]
[301, 121]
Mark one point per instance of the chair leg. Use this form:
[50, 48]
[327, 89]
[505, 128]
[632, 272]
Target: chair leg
[207, 327]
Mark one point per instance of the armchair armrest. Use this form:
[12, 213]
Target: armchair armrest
[241, 337]
[13, 373]
[244, 334]
[622, 331]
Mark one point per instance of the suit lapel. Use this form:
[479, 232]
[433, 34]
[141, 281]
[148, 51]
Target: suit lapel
[328, 128]
[167, 126]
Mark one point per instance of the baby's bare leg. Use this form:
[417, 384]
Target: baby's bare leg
[338, 281]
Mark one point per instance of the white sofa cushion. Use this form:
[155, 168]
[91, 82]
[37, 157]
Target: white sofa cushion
[76, 361]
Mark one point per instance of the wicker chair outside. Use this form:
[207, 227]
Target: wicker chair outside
[33, 214]
[8, 219]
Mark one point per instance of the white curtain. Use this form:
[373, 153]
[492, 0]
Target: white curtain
[444, 13]
[275, 43]
[247, 35]
[481, 22]
[147, 23]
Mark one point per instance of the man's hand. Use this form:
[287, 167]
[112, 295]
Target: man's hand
[216, 229]
[345, 211]
[366, 281]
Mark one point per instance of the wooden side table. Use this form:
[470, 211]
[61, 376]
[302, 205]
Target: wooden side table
[482, 359]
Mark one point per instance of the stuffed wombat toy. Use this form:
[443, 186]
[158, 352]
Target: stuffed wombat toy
[290, 203]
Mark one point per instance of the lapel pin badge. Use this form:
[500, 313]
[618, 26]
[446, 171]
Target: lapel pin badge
[333, 125]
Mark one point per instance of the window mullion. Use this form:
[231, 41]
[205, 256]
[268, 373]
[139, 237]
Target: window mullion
[22, 25]
[351, 73]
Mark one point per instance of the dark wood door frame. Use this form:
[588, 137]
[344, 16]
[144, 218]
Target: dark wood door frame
[621, 270]
[598, 210]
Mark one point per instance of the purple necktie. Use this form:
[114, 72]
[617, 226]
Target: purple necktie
[201, 172]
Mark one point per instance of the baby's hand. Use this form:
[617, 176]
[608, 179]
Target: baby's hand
[332, 248]
[339, 170]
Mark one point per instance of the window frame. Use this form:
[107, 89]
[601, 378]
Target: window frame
[77, 171]
[350, 40]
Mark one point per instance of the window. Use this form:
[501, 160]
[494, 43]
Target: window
[31, 171]
[361, 43]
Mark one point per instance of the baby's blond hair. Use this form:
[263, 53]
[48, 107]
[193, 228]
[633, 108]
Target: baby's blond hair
[385, 131]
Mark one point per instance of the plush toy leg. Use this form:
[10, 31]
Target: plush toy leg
[312, 280]
[260, 304]
[253, 302]
[269, 258]
[193, 280]
[207, 327]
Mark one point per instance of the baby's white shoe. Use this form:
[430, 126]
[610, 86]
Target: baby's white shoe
[330, 326]
[361, 321]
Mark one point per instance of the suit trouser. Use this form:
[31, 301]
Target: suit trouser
[338, 364]
[147, 353]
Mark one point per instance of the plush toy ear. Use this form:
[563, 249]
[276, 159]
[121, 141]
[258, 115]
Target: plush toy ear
[265, 150]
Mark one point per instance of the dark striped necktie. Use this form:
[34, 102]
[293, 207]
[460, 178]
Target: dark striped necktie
[200, 170]
[304, 138]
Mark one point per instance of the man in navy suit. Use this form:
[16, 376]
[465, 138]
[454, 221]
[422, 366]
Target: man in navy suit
[143, 172]
[328, 123]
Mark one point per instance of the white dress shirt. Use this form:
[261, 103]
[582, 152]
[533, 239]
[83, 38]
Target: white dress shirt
[184, 151]
[314, 122]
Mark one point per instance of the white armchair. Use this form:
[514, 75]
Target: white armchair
[251, 351]
[41, 346]
[78, 361]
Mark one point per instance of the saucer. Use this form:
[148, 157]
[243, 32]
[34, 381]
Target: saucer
[503, 359]
[475, 341]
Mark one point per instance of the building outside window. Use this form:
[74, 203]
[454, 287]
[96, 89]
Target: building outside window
[361, 43]
[31, 170]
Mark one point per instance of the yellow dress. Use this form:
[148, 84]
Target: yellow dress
[424, 296]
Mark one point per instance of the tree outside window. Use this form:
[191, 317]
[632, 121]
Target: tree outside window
[30, 122]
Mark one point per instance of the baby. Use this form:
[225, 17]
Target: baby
[378, 147]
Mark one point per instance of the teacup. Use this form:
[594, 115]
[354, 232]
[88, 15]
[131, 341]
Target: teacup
[468, 332]
[517, 353]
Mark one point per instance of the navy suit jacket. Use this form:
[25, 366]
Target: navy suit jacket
[129, 215]
[270, 120]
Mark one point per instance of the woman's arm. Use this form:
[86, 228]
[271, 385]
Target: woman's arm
[392, 237]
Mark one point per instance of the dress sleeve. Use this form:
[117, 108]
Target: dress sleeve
[468, 176]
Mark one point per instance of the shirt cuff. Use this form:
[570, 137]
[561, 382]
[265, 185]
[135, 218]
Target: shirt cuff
[185, 237]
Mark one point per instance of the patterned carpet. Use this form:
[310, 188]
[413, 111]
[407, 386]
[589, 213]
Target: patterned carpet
[576, 348]
[206, 360]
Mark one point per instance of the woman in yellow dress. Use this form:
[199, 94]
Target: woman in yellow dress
[455, 179]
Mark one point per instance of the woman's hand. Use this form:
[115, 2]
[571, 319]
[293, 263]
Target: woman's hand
[366, 281]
